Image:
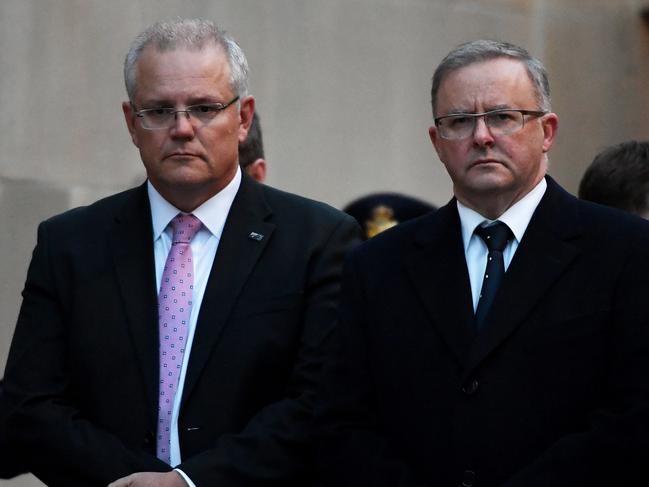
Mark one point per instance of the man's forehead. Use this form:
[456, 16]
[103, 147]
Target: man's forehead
[209, 49]
[182, 69]
[495, 82]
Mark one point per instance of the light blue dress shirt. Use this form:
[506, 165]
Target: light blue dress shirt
[517, 217]
[212, 215]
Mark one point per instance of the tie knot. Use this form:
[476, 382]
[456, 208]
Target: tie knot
[184, 227]
[495, 236]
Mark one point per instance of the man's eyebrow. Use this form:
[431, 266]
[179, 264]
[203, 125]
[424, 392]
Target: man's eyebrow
[157, 103]
[462, 111]
[459, 111]
[204, 99]
[499, 107]
[166, 103]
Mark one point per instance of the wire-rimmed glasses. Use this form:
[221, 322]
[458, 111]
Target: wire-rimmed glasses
[164, 117]
[503, 121]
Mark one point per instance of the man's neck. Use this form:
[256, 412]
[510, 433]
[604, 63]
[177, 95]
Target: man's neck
[187, 199]
[491, 207]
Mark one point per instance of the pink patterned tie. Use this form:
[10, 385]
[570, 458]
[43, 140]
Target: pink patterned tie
[174, 308]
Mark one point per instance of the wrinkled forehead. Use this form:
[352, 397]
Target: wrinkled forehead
[209, 52]
[486, 85]
[181, 67]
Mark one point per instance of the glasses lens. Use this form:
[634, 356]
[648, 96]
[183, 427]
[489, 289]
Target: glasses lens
[162, 118]
[456, 126]
[504, 122]
[500, 122]
[204, 113]
[157, 118]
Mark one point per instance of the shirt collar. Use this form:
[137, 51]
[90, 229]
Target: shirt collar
[212, 213]
[517, 217]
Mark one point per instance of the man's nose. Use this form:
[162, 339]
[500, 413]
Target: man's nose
[482, 136]
[183, 126]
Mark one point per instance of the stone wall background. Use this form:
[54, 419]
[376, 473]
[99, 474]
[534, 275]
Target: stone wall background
[342, 87]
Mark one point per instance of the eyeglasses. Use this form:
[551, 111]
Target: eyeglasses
[164, 118]
[503, 121]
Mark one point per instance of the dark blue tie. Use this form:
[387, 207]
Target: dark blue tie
[496, 237]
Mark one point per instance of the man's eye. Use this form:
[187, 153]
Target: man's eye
[502, 119]
[457, 122]
[159, 112]
[205, 108]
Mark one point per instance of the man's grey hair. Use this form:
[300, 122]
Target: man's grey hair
[486, 50]
[190, 34]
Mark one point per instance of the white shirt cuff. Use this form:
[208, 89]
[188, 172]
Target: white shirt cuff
[185, 477]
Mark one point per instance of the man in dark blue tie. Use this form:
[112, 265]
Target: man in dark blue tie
[504, 339]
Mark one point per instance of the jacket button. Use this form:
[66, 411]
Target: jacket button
[470, 387]
[468, 478]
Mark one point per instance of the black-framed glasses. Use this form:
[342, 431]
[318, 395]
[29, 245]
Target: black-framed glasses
[163, 117]
[503, 121]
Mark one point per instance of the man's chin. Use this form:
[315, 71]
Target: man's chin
[187, 182]
[490, 181]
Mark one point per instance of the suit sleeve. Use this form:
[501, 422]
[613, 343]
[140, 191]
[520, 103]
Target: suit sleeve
[10, 465]
[352, 451]
[275, 446]
[57, 442]
[613, 450]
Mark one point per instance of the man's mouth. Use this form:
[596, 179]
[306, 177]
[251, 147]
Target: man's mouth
[480, 162]
[181, 154]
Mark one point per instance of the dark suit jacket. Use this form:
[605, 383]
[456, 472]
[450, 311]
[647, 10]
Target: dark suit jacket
[10, 465]
[82, 371]
[553, 392]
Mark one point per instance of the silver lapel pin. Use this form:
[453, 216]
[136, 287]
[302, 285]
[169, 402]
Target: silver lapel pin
[256, 236]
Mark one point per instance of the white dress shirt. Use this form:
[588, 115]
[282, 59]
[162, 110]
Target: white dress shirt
[517, 218]
[212, 215]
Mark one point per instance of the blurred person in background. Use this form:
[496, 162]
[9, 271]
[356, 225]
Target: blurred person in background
[251, 152]
[378, 212]
[619, 177]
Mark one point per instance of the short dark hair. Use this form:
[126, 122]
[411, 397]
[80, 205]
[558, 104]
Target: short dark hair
[252, 148]
[619, 177]
[486, 50]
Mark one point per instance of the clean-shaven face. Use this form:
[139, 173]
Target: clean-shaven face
[483, 164]
[187, 156]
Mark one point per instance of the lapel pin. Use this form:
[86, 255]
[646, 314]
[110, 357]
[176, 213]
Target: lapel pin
[256, 236]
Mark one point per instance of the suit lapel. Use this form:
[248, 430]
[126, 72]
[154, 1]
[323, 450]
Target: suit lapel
[543, 255]
[245, 235]
[437, 268]
[132, 247]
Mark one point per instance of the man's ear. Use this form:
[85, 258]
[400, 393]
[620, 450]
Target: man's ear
[550, 124]
[129, 116]
[247, 109]
[434, 137]
[257, 170]
[432, 133]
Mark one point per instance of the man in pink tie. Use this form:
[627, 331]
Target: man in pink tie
[174, 334]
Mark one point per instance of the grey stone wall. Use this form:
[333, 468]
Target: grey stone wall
[342, 87]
